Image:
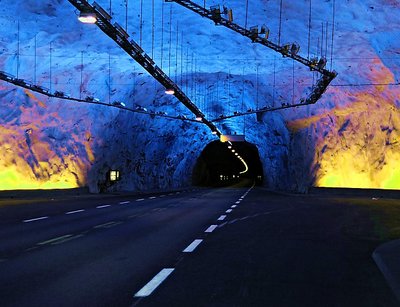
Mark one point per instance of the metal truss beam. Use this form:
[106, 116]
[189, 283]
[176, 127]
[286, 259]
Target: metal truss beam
[118, 34]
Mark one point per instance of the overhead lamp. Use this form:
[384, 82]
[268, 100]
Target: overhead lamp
[236, 154]
[214, 132]
[233, 150]
[229, 147]
[199, 118]
[170, 91]
[87, 17]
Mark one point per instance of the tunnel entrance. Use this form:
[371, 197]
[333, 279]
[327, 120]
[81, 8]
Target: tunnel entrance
[219, 166]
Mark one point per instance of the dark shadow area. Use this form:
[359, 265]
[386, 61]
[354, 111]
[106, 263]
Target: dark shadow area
[218, 166]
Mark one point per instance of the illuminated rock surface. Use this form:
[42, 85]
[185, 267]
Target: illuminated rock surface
[350, 138]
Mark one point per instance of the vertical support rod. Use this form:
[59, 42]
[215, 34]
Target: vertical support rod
[126, 16]
[247, 13]
[141, 23]
[81, 85]
[280, 24]
[309, 30]
[18, 48]
[109, 78]
[35, 61]
[333, 30]
[162, 33]
[50, 77]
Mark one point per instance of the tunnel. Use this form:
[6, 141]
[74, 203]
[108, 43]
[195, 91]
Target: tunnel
[217, 165]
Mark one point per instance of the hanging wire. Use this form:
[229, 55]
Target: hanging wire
[333, 30]
[162, 33]
[176, 52]
[81, 85]
[170, 40]
[309, 30]
[274, 83]
[141, 23]
[247, 12]
[50, 75]
[280, 24]
[152, 28]
[326, 40]
[35, 62]
[322, 40]
[126, 16]
[18, 48]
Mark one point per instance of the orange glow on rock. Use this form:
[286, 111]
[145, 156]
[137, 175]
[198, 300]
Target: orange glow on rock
[358, 142]
[40, 150]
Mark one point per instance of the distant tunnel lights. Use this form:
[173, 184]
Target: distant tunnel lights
[87, 17]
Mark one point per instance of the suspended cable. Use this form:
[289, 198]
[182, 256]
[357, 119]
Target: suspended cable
[280, 23]
[247, 12]
[141, 24]
[35, 62]
[333, 30]
[170, 41]
[50, 64]
[126, 16]
[309, 31]
[152, 29]
[18, 48]
[162, 33]
[81, 85]
[176, 52]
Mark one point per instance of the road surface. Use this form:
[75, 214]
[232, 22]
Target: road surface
[204, 247]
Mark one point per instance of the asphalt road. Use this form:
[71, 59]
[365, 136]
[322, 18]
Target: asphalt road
[220, 247]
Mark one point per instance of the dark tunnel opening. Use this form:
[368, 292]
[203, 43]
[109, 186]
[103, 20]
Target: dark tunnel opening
[219, 166]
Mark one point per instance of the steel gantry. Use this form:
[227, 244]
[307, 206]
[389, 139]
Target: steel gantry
[261, 37]
[119, 35]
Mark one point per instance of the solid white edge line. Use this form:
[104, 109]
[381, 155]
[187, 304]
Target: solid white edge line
[124, 202]
[154, 283]
[75, 211]
[192, 246]
[221, 218]
[211, 228]
[103, 206]
[35, 219]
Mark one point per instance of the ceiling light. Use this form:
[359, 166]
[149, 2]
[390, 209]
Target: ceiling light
[87, 17]
[199, 118]
[170, 91]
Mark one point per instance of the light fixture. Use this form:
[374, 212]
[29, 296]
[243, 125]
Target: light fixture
[236, 154]
[199, 118]
[170, 91]
[229, 147]
[214, 132]
[233, 150]
[87, 17]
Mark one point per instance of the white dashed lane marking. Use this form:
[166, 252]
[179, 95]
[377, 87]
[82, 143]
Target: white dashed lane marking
[211, 228]
[228, 211]
[140, 199]
[192, 246]
[233, 206]
[221, 218]
[154, 283]
[75, 211]
[124, 202]
[36, 219]
[152, 197]
[103, 206]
